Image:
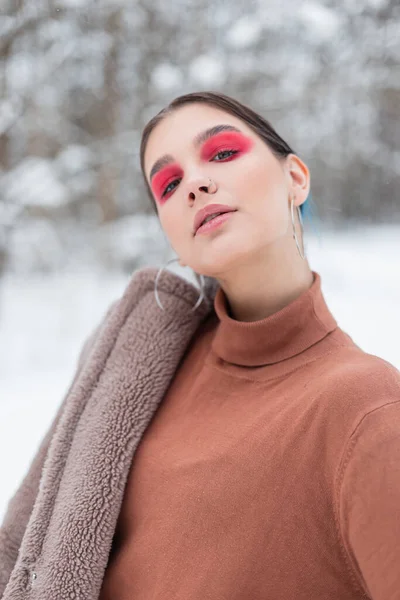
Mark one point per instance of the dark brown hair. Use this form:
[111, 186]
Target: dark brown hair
[258, 124]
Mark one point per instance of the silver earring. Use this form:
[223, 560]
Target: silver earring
[199, 301]
[294, 227]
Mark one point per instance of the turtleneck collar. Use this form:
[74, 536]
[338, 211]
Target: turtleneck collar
[289, 331]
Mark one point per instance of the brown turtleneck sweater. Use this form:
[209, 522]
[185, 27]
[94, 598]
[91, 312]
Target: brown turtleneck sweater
[271, 470]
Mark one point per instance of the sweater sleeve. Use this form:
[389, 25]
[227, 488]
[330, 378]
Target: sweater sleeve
[369, 502]
[20, 505]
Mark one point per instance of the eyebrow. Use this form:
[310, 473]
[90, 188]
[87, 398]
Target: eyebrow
[201, 137]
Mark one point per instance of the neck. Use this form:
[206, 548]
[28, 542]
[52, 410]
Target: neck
[257, 292]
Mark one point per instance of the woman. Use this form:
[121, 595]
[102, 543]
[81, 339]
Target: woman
[233, 444]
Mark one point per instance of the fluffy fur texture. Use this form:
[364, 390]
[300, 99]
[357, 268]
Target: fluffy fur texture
[57, 532]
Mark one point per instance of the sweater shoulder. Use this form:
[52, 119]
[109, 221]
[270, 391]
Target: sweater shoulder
[353, 382]
[350, 362]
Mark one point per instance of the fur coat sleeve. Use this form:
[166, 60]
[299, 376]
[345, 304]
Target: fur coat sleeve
[20, 506]
[57, 533]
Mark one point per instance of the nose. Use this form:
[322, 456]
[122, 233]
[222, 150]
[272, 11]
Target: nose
[197, 185]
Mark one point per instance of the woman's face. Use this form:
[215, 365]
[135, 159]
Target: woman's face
[248, 177]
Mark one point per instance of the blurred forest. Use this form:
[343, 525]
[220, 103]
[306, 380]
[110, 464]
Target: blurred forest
[80, 79]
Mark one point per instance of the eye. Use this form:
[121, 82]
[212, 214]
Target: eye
[223, 152]
[167, 190]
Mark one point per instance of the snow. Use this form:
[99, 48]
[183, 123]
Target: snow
[166, 77]
[20, 71]
[45, 319]
[36, 244]
[9, 111]
[208, 70]
[377, 4]
[72, 3]
[245, 32]
[323, 22]
[74, 158]
[34, 182]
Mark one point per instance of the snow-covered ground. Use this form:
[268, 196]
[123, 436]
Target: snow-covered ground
[44, 321]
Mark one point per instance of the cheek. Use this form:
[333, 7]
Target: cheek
[267, 175]
[252, 178]
[173, 224]
[261, 185]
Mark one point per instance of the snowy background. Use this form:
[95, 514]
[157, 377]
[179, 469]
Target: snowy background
[79, 80]
[45, 320]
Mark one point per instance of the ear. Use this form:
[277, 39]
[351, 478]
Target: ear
[299, 178]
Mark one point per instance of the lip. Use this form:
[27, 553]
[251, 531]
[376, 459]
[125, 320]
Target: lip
[210, 209]
[215, 223]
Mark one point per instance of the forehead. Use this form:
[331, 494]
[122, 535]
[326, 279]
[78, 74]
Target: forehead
[176, 132]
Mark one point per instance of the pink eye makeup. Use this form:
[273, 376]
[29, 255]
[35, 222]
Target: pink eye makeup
[231, 141]
[226, 141]
[164, 177]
